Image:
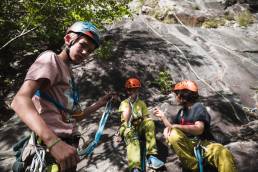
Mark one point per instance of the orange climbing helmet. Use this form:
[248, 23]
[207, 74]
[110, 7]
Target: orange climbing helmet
[186, 85]
[132, 83]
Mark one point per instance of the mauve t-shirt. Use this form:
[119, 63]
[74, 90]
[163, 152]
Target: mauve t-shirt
[49, 66]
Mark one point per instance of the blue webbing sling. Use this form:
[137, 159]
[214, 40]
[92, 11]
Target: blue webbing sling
[88, 151]
[198, 152]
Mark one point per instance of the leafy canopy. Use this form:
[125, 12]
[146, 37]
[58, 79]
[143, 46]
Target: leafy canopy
[28, 27]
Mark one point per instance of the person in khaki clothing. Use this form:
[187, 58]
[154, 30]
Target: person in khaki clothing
[135, 124]
[190, 128]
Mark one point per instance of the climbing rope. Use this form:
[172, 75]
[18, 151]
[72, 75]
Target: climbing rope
[190, 66]
[88, 151]
[223, 47]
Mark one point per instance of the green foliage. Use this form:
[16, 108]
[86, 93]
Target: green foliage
[164, 15]
[158, 14]
[28, 27]
[244, 18]
[213, 23]
[164, 81]
[105, 50]
[169, 20]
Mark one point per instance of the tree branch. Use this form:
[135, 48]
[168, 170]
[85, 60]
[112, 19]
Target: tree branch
[18, 36]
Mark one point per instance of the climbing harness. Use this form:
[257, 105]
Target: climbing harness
[198, 153]
[88, 151]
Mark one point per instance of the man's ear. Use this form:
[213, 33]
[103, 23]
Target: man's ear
[67, 39]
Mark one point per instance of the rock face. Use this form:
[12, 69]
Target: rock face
[222, 61]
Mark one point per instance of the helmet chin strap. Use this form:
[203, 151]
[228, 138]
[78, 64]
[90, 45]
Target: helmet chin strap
[67, 48]
[135, 98]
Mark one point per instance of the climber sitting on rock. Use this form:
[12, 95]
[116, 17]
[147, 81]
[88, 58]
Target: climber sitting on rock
[135, 125]
[190, 128]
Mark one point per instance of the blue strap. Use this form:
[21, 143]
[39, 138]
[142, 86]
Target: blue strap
[88, 151]
[198, 155]
[50, 99]
[75, 97]
[75, 93]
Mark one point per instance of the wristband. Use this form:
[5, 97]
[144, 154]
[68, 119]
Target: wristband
[53, 144]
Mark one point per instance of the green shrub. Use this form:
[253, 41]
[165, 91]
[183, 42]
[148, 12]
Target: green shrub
[213, 23]
[105, 50]
[158, 14]
[169, 20]
[244, 18]
[164, 81]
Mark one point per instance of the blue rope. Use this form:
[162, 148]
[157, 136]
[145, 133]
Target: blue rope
[198, 155]
[88, 151]
[75, 93]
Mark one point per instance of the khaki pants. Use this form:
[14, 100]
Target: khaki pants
[131, 136]
[215, 154]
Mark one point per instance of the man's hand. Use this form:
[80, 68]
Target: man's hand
[158, 113]
[65, 155]
[109, 96]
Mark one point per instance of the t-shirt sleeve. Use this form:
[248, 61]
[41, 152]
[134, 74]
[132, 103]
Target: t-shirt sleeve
[45, 67]
[202, 115]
